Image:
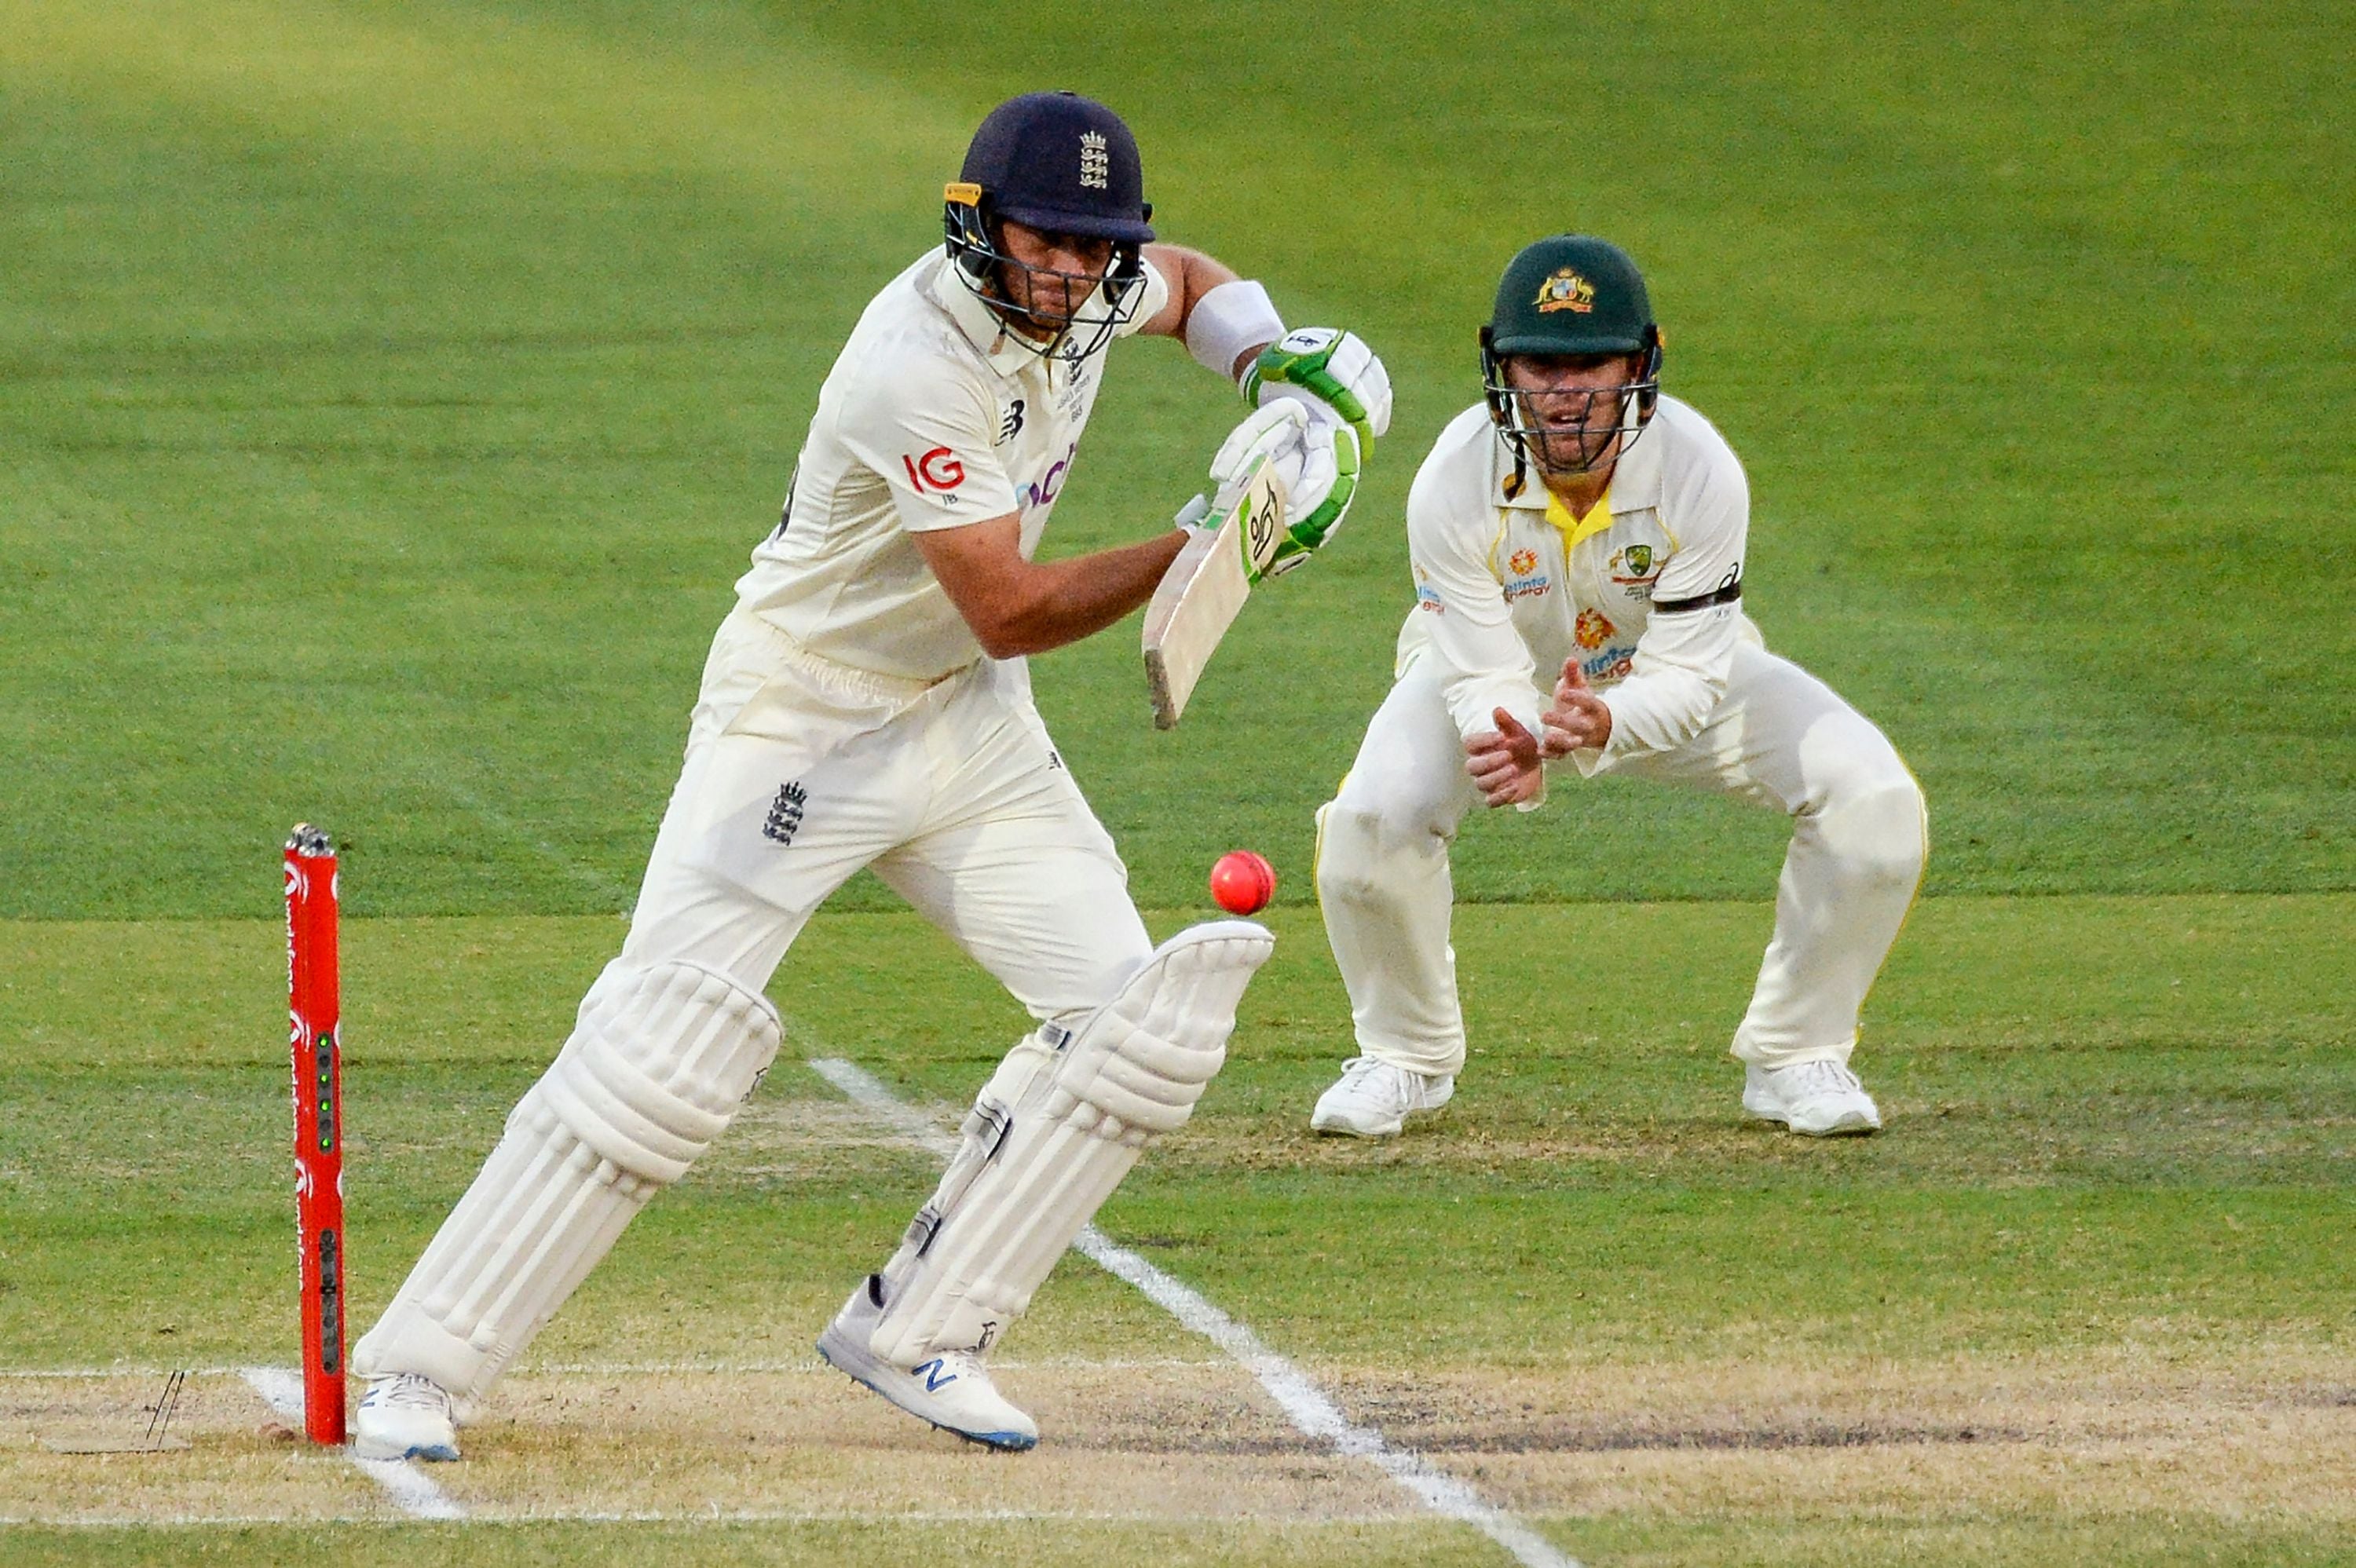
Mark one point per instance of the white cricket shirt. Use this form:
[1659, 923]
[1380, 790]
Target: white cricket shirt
[933, 417]
[1643, 590]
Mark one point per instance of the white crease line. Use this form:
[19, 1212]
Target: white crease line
[814, 1364]
[1310, 1408]
[65, 1374]
[679, 1516]
[811, 1364]
[411, 1490]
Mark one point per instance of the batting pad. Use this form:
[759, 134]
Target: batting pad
[659, 1061]
[1020, 1189]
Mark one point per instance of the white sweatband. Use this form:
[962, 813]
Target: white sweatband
[1228, 321]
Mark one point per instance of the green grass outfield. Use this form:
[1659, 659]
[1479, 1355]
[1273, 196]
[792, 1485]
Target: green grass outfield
[389, 393]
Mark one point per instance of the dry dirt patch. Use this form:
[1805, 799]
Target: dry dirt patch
[1156, 1440]
[2268, 1433]
[240, 1462]
[2119, 1433]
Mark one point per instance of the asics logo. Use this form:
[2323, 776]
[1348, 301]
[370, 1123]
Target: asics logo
[935, 1374]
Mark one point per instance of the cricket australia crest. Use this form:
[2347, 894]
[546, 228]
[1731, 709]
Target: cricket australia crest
[1566, 290]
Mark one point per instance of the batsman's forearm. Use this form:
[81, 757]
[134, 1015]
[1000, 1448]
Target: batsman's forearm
[1060, 602]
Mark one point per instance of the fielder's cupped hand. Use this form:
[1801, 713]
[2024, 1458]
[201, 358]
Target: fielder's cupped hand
[1507, 764]
[1578, 719]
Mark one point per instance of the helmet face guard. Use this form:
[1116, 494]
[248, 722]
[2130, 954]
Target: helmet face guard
[1570, 296]
[1559, 433]
[1072, 314]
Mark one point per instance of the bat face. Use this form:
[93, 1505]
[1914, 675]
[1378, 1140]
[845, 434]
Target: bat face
[1202, 592]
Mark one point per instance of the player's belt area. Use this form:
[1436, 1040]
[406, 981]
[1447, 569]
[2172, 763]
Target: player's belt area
[849, 679]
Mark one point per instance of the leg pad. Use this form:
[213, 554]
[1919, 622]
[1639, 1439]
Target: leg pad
[658, 1060]
[1030, 1176]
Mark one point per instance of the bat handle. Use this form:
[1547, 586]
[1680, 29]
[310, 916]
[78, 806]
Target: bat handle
[1192, 513]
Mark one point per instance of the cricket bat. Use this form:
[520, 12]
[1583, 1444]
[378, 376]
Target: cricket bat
[1204, 590]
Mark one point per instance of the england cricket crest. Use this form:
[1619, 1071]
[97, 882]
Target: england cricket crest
[785, 818]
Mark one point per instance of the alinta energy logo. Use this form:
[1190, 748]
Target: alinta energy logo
[1523, 561]
[1096, 161]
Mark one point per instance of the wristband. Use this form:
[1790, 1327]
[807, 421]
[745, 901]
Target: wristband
[1228, 322]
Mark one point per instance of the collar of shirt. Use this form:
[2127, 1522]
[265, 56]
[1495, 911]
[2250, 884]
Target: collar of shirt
[1635, 477]
[990, 336]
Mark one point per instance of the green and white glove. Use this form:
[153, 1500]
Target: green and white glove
[1316, 458]
[1331, 371]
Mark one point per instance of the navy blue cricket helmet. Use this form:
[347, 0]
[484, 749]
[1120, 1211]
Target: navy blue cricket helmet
[1063, 164]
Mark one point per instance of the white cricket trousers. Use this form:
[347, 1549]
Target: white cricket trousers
[1780, 738]
[799, 772]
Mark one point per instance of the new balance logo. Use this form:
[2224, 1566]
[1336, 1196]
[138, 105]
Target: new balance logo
[1010, 424]
[785, 818]
[934, 1373]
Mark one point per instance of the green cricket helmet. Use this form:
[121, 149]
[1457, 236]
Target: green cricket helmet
[1571, 294]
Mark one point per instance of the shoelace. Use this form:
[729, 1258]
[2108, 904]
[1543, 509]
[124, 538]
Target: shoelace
[410, 1391]
[1405, 1088]
[1827, 1077]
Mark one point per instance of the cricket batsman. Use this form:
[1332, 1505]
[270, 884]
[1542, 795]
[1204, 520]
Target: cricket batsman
[867, 704]
[1580, 529]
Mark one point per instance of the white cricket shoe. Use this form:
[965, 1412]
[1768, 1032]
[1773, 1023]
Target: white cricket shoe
[404, 1415]
[952, 1390]
[1822, 1099]
[1374, 1099]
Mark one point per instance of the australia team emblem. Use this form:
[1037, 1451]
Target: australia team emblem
[1566, 290]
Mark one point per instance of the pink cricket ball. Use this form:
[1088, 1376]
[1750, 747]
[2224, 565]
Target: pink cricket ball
[1242, 882]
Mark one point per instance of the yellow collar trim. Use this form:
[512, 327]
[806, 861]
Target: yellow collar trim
[1573, 529]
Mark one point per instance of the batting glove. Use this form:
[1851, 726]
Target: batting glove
[1317, 460]
[1334, 372]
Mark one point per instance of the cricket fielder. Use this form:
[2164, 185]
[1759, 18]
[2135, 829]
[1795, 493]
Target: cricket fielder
[1578, 521]
[867, 704]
